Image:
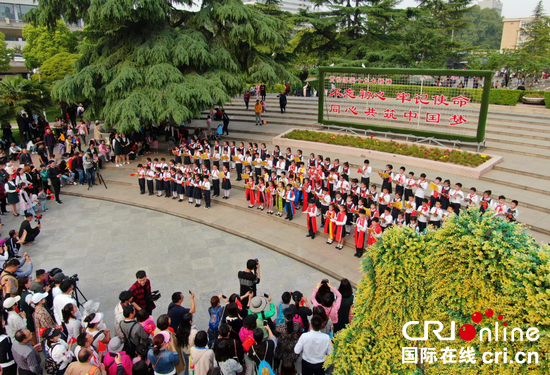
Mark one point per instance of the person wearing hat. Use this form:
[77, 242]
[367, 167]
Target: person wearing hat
[90, 307]
[8, 278]
[115, 347]
[26, 232]
[15, 321]
[101, 336]
[262, 307]
[27, 358]
[42, 318]
[55, 178]
[58, 349]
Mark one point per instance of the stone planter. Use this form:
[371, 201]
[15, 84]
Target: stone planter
[530, 100]
[459, 170]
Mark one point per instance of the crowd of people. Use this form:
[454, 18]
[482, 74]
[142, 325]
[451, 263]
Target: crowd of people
[45, 329]
[282, 184]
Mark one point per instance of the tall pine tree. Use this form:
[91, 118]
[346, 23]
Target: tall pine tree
[146, 62]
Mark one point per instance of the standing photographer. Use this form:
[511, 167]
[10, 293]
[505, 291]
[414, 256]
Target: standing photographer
[89, 166]
[141, 290]
[249, 279]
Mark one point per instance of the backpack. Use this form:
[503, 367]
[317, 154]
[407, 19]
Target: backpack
[281, 316]
[264, 368]
[51, 366]
[215, 318]
[298, 319]
[129, 347]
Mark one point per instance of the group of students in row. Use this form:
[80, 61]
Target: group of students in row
[284, 183]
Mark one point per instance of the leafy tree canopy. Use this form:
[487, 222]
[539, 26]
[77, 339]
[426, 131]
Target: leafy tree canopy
[19, 94]
[43, 43]
[476, 262]
[376, 33]
[58, 66]
[148, 62]
[5, 54]
[484, 30]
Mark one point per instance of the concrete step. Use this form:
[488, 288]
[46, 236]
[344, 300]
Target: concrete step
[523, 173]
[299, 117]
[518, 150]
[517, 141]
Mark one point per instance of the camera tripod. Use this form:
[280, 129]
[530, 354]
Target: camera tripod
[100, 179]
[77, 291]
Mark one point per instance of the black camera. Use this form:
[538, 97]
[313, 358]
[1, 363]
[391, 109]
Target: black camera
[155, 295]
[74, 278]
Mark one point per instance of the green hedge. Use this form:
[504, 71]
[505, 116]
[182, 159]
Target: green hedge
[547, 99]
[504, 96]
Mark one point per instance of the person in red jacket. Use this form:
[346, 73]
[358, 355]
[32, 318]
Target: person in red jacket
[311, 217]
[141, 290]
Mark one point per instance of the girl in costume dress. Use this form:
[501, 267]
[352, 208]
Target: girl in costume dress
[340, 221]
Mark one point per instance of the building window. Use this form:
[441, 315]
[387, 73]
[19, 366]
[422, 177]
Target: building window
[6, 11]
[22, 10]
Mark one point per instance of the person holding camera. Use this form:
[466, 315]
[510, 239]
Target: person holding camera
[249, 279]
[141, 290]
[89, 166]
[176, 311]
[27, 232]
[63, 299]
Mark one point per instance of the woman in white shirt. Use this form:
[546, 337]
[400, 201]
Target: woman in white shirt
[71, 325]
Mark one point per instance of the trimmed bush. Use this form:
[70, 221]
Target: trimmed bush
[437, 154]
[505, 97]
[547, 99]
[475, 263]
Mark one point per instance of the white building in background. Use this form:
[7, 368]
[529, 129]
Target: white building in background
[491, 4]
[288, 5]
[11, 25]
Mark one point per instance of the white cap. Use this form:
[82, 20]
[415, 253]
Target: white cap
[97, 318]
[11, 301]
[37, 297]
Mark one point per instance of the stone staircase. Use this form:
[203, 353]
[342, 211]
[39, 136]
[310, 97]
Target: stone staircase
[522, 139]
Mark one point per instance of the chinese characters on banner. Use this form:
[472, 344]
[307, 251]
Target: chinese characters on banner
[381, 105]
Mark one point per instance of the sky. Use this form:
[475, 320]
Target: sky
[510, 8]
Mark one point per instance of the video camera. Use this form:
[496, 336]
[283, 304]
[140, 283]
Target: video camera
[37, 218]
[155, 295]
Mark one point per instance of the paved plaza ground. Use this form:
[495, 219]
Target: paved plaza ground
[105, 243]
